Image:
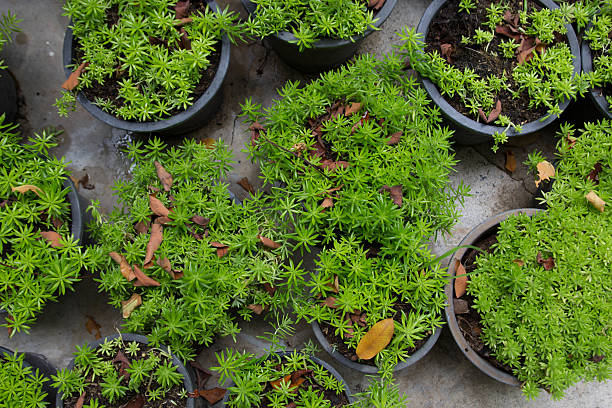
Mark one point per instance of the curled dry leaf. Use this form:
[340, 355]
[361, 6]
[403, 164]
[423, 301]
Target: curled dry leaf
[395, 138]
[162, 220]
[126, 269]
[335, 286]
[547, 263]
[137, 402]
[53, 238]
[201, 221]
[25, 188]
[519, 262]
[184, 39]
[395, 192]
[327, 202]
[157, 236]
[446, 51]
[508, 32]
[376, 339]
[128, 306]
[333, 165]
[510, 161]
[214, 395]
[93, 327]
[353, 108]
[209, 142]
[545, 172]
[143, 280]
[217, 244]
[142, 227]
[221, 252]
[244, 183]
[594, 174]
[267, 242]
[269, 288]
[461, 279]
[596, 201]
[80, 401]
[287, 379]
[330, 302]
[494, 114]
[181, 9]
[164, 176]
[84, 181]
[158, 207]
[257, 309]
[73, 78]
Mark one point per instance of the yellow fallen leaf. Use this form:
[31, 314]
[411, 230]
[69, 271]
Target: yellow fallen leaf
[129, 305]
[376, 339]
[25, 188]
[545, 172]
[596, 201]
[461, 282]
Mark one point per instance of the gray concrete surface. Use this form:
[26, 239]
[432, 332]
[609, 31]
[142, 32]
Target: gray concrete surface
[443, 379]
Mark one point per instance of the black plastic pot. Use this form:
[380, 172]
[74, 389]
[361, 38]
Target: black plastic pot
[468, 131]
[76, 210]
[324, 54]
[192, 118]
[481, 231]
[186, 372]
[370, 369]
[316, 360]
[40, 362]
[8, 98]
[587, 66]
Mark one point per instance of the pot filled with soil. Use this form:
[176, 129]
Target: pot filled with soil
[312, 379]
[493, 70]
[129, 371]
[595, 51]
[320, 53]
[8, 90]
[166, 79]
[26, 377]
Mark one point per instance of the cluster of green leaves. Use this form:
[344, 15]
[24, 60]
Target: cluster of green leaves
[381, 394]
[420, 162]
[252, 376]
[119, 370]
[20, 382]
[8, 26]
[310, 21]
[547, 78]
[600, 43]
[550, 322]
[32, 272]
[142, 51]
[214, 290]
[411, 291]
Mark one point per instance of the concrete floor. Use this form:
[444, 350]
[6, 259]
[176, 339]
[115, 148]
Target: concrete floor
[442, 379]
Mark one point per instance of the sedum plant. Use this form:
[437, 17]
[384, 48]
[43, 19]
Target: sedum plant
[543, 294]
[599, 42]
[40, 259]
[380, 394]
[8, 26]
[179, 256]
[143, 60]
[357, 152]
[352, 291]
[20, 382]
[278, 380]
[119, 372]
[542, 71]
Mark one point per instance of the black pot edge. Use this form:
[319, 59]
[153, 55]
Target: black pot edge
[77, 211]
[286, 36]
[368, 369]
[587, 66]
[481, 132]
[185, 371]
[40, 362]
[164, 125]
[451, 320]
[8, 103]
[318, 361]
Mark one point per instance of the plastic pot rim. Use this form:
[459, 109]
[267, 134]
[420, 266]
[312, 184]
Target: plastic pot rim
[474, 235]
[482, 129]
[163, 124]
[587, 66]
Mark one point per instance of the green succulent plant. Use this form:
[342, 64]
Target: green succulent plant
[40, 259]
[109, 376]
[599, 43]
[150, 55]
[217, 259]
[8, 26]
[20, 383]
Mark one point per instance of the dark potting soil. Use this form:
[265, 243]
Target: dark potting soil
[340, 346]
[94, 390]
[469, 323]
[448, 27]
[109, 90]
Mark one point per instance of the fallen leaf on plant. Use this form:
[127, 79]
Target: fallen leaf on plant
[181, 8]
[128, 306]
[257, 309]
[287, 379]
[545, 172]
[137, 401]
[25, 188]
[75, 181]
[395, 138]
[330, 302]
[511, 18]
[519, 262]
[141, 227]
[221, 252]
[126, 269]
[244, 183]
[376, 339]
[158, 207]
[214, 395]
[494, 114]
[80, 401]
[201, 221]
[73, 78]
[378, 5]
[201, 374]
[93, 327]
[596, 201]
[157, 236]
[142, 279]
[267, 242]
[594, 174]
[53, 238]
[547, 263]
[269, 288]
[446, 51]
[163, 175]
[57, 223]
[218, 244]
[184, 39]
[510, 161]
[461, 279]
[209, 142]
[162, 220]
[395, 192]
[353, 108]
[125, 364]
[327, 202]
[508, 32]
[333, 165]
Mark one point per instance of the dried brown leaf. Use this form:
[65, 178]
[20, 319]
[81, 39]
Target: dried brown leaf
[267, 242]
[142, 227]
[594, 174]
[142, 279]
[461, 279]
[157, 236]
[84, 181]
[519, 262]
[214, 395]
[547, 263]
[596, 201]
[164, 176]
[545, 172]
[201, 221]
[446, 50]
[221, 252]
[80, 401]
[162, 220]
[126, 269]
[137, 401]
[73, 78]
[508, 32]
[128, 306]
[495, 112]
[181, 8]
[158, 207]
[330, 302]
[395, 138]
[25, 188]
[53, 238]
[93, 327]
[218, 244]
[510, 161]
[376, 339]
[395, 192]
[185, 41]
[244, 183]
[327, 202]
[353, 108]
[257, 309]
